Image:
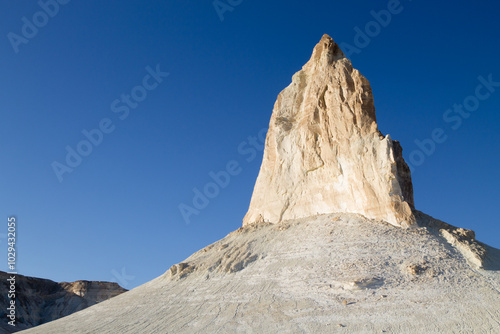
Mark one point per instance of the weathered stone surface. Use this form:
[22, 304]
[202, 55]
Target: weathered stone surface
[307, 276]
[41, 300]
[463, 240]
[324, 152]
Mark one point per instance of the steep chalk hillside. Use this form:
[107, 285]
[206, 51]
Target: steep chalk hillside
[41, 300]
[324, 274]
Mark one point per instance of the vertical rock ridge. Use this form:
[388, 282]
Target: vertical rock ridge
[324, 152]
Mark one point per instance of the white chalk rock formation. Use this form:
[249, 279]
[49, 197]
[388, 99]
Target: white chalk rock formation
[324, 152]
[329, 273]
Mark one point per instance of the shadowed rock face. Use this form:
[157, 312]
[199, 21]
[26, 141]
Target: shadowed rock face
[324, 152]
[41, 300]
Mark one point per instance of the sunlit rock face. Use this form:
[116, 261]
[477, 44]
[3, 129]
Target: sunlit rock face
[324, 152]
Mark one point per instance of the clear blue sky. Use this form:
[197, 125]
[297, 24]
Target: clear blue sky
[117, 212]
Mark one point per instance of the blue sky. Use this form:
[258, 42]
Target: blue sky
[103, 65]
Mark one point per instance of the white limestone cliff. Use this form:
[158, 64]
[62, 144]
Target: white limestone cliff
[324, 152]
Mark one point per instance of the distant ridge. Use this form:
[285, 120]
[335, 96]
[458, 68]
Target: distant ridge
[41, 300]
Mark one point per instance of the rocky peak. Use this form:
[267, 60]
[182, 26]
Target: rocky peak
[324, 152]
[326, 51]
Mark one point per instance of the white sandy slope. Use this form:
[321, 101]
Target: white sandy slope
[337, 273]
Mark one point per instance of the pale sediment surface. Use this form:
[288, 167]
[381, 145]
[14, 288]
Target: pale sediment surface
[329, 273]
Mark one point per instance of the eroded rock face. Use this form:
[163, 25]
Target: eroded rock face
[324, 152]
[41, 300]
[93, 291]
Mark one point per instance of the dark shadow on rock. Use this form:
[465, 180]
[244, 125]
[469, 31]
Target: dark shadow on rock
[492, 260]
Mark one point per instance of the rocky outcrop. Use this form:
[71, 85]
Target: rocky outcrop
[324, 152]
[462, 239]
[41, 300]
